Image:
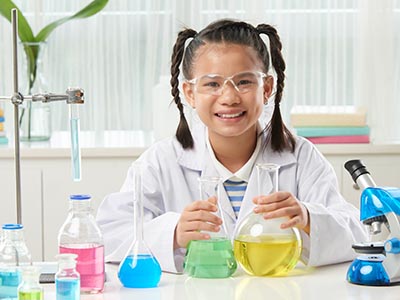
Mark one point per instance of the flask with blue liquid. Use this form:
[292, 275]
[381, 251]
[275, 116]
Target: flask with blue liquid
[67, 278]
[14, 255]
[139, 268]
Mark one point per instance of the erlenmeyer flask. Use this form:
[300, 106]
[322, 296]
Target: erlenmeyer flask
[211, 258]
[139, 268]
[261, 247]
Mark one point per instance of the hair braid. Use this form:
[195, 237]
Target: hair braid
[183, 134]
[281, 137]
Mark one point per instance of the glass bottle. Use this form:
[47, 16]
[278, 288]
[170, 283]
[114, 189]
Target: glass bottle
[81, 235]
[261, 247]
[30, 289]
[14, 254]
[211, 258]
[67, 278]
[34, 119]
[139, 268]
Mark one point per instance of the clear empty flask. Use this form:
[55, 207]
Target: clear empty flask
[139, 268]
[211, 258]
[261, 247]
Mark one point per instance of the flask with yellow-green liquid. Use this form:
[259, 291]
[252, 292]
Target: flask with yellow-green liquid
[261, 247]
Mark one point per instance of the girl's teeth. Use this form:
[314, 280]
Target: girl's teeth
[230, 115]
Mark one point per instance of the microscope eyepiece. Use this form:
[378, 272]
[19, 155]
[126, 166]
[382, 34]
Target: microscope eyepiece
[359, 173]
[356, 168]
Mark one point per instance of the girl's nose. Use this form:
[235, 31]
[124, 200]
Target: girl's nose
[229, 95]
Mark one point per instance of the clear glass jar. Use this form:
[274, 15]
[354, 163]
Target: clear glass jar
[81, 235]
[30, 289]
[35, 116]
[67, 278]
[14, 254]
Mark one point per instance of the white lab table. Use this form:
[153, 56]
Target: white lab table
[327, 282]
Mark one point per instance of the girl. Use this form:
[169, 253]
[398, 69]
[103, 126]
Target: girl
[226, 69]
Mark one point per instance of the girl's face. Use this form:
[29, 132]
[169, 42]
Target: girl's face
[232, 113]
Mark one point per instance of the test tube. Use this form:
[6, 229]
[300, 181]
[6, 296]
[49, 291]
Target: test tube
[75, 149]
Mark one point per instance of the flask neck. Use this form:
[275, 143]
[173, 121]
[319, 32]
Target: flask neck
[138, 220]
[80, 206]
[14, 235]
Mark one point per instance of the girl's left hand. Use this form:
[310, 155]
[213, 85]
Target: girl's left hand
[283, 204]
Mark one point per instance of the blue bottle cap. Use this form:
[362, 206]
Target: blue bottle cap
[12, 226]
[80, 197]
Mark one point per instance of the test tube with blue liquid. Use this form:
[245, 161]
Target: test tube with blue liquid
[75, 148]
[139, 268]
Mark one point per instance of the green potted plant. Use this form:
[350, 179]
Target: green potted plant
[32, 50]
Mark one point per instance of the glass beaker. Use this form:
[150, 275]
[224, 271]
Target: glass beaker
[261, 247]
[139, 268]
[211, 258]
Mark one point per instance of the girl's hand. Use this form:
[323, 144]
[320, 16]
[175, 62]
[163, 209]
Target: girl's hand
[196, 217]
[283, 204]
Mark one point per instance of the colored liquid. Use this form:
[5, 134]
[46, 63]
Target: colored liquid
[75, 150]
[267, 255]
[34, 295]
[141, 271]
[210, 259]
[67, 289]
[90, 266]
[9, 282]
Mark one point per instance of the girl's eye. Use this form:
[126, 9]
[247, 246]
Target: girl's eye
[245, 82]
[213, 84]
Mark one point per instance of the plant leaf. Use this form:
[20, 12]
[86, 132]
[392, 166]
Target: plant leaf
[24, 30]
[89, 10]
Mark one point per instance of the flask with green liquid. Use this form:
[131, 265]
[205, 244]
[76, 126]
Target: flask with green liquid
[211, 258]
[261, 247]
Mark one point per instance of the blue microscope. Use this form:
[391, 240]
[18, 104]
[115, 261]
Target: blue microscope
[379, 262]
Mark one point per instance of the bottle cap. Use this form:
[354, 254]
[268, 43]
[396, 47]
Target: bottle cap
[30, 271]
[12, 226]
[67, 260]
[80, 197]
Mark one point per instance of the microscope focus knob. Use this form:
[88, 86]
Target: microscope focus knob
[392, 246]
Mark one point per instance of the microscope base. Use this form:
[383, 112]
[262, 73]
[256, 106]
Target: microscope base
[368, 270]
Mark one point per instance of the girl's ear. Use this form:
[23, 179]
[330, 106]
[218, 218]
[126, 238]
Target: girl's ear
[268, 86]
[189, 94]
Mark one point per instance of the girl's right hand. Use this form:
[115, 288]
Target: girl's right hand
[196, 217]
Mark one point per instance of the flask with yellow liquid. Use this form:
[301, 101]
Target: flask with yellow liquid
[261, 247]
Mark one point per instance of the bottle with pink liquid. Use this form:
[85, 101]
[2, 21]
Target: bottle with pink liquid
[81, 235]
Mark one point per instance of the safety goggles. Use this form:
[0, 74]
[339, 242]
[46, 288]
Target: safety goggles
[243, 82]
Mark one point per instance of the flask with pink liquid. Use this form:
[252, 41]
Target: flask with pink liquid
[81, 235]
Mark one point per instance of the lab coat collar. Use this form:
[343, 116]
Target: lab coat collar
[194, 158]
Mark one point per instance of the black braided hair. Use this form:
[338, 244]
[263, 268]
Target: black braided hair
[281, 137]
[234, 32]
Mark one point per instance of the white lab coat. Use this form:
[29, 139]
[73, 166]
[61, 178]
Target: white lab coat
[170, 183]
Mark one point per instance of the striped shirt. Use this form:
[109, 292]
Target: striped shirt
[235, 188]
